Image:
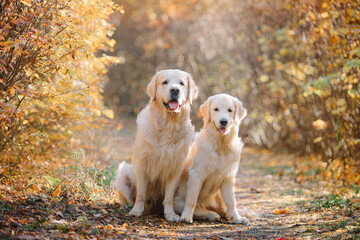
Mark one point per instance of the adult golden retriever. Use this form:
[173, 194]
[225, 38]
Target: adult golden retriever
[207, 185]
[164, 135]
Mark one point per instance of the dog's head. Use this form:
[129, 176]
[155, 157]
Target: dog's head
[172, 89]
[223, 112]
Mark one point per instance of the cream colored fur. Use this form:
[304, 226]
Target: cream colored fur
[207, 185]
[161, 145]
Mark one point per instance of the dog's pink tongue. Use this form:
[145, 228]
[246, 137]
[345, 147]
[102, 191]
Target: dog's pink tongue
[173, 105]
[222, 130]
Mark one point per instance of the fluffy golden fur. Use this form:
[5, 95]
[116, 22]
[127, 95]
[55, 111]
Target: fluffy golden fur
[164, 135]
[207, 185]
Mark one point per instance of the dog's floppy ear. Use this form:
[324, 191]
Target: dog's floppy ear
[205, 109]
[192, 89]
[240, 112]
[152, 87]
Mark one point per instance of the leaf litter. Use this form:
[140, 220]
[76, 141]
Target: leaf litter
[279, 204]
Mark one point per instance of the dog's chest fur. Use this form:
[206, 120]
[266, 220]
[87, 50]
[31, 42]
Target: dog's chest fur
[220, 164]
[161, 147]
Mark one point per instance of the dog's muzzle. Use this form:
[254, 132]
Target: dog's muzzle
[223, 122]
[222, 129]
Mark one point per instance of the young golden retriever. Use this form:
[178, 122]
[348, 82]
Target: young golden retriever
[164, 135]
[207, 185]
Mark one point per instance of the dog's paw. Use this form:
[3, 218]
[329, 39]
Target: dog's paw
[241, 220]
[187, 219]
[136, 212]
[172, 217]
[213, 217]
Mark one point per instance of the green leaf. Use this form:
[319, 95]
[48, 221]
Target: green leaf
[353, 62]
[86, 96]
[52, 181]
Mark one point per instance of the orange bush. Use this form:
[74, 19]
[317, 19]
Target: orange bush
[50, 75]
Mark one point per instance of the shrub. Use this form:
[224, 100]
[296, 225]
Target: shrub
[50, 75]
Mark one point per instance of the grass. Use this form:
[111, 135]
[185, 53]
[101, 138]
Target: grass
[90, 183]
[333, 202]
[339, 212]
[72, 183]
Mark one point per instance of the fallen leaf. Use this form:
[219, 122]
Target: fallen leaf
[125, 225]
[36, 188]
[119, 127]
[57, 191]
[280, 211]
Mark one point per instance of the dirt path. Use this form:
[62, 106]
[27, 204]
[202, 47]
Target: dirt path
[279, 203]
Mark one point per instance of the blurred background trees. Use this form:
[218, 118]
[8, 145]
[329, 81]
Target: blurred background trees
[295, 64]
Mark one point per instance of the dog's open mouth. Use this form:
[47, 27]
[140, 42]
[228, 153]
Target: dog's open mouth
[172, 105]
[221, 130]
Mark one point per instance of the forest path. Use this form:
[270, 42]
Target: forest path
[280, 200]
[268, 193]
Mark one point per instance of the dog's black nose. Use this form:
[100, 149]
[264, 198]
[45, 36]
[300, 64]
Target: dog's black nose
[174, 91]
[223, 122]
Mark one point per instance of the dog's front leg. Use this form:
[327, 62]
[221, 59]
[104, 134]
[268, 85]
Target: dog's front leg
[193, 188]
[168, 202]
[141, 186]
[228, 195]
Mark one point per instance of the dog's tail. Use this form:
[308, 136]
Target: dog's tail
[125, 183]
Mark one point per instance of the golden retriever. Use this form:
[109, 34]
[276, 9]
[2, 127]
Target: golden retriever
[207, 185]
[163, 138]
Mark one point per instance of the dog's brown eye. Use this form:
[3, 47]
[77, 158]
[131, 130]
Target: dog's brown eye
[216, 109]
[182, 83]
[229, 110]
[165, 82]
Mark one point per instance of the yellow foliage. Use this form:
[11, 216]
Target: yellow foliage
[55, 86]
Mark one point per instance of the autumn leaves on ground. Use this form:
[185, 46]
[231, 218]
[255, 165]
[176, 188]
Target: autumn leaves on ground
[73, 76]
[281, 201]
